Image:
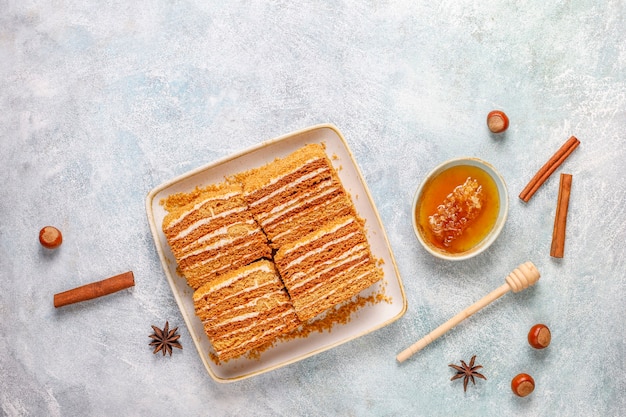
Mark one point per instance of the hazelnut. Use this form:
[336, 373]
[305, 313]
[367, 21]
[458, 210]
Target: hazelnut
[50, 237]
[539, 336]
[497, 121]
[522, 385]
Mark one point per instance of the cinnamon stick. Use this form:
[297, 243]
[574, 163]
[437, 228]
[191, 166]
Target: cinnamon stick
[560, 219]
[95, 289]
[548, 168]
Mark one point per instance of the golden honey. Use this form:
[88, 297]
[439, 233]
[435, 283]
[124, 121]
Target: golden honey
[457, 208]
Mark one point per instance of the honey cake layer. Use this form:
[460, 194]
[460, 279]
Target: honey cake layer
[212, 232]
[244, 309]
[327, 267]
[293, 196]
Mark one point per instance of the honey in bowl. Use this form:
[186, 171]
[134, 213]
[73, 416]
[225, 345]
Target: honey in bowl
[457, 209]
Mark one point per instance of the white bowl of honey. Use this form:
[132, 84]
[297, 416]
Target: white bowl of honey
[460, 208]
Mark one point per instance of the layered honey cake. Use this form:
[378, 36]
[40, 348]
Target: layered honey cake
[244, 309]
[268, 249]
[293, 196]
[327, 266]
[211, 231]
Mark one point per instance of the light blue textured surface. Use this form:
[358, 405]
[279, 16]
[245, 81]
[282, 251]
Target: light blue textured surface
[102, 101]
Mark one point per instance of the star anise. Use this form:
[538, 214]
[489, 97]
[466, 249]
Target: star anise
[467, 372]
[164, 340]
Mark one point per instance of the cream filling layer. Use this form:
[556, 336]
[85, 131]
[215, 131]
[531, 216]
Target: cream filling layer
[213, 290]
[256, 324]
[330, 265]
[293, 204]
[264, 267]
[224, 197]
[291, 184]
[253, 302]
[242, 317]
[204, 221]
[318, 250]
[335, 290]
[294, 218]
[222, 242]
[277, 329]
[342, 284]
[212, 258]
[321, 233]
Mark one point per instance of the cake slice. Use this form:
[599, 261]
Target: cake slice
[210, 231]
[244, 309]
[293, 196]
[327, 266]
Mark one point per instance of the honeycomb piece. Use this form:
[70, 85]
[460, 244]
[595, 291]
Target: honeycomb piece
[458, 209]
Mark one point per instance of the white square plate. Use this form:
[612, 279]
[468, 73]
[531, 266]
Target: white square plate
[365, 320]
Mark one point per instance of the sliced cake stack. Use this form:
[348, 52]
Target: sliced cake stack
[268, 249]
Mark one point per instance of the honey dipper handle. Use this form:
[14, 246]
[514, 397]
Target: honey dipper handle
[521, 278]
[439, 331]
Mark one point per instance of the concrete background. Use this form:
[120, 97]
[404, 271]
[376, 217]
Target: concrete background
[103, 101]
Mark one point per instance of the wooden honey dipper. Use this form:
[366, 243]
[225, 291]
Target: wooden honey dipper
[521, 278]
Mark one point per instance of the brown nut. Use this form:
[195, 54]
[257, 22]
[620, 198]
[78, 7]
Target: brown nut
[50, 237]
[522, 385]
[539, 336]
[497, 121]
